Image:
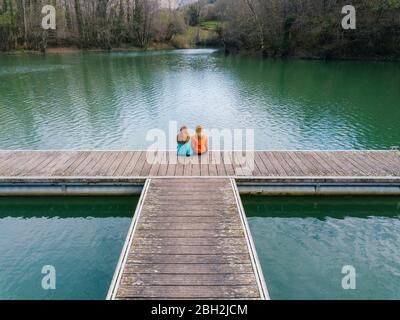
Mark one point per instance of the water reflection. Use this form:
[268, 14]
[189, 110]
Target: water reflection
[81, 237]
[303, 244]
[337, 207]
[111, 100]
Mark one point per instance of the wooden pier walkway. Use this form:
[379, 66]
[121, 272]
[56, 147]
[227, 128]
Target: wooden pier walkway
[138, 164]
[189, 240]
[189, 237]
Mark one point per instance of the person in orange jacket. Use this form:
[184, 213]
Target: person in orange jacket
[199, 141]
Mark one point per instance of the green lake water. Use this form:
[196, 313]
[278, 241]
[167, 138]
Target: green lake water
[304, 242]
[81, 238]
[112, 100]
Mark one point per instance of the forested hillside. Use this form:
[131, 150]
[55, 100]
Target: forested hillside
[312, 28]
[87, 23]
[279, 28]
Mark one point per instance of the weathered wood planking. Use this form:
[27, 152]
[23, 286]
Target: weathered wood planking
[232, 164]
[171, 255]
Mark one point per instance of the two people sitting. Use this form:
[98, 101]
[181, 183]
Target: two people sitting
[197, 144]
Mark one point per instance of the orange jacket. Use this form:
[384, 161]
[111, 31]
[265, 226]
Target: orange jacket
[200, 146]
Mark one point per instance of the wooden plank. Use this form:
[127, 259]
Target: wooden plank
[190, 225]
[361, 165]
[383, 163]
[85, 169]
[187, 167]
[219, 161]
[135, 164]
[176, 219]
[179, 292]
[155, 166]
[76, 171]
[269, 156]
[287, 162]
[124, 164]
[259, 166]
[130, 166]
[271, 170]
[210, 242]
[108, 166]
[39, 168]
[59, 161]
[187, 258]
[387, 158]
[162, 171]
[179, 165]
[8, 158]
[195, 165]
[177, 268]
[116, 163]
[301, 168]
[5, 155]
[96, 171]
[22, 162]
[312, 165]
[139, 164]
[67, 159]
[330, 160]
[212, 168]
[190, 233]
[190, 250]
[164, 243]
[326, 168]
[204, 162]
[351, 167]
[370, 165]
[227, 158]
[172, 163]
[315, 167]
[226, 279]
[183, 212]
[304, 166]
[70, 170]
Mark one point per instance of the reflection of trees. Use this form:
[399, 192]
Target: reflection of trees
[329, 96]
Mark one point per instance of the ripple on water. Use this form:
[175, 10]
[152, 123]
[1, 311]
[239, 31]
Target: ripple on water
[112, 100]
[302, 258]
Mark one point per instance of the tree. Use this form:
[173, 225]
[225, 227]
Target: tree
[194, 14]
[79, 22]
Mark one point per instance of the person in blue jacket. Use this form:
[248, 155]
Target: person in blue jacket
[184, 145]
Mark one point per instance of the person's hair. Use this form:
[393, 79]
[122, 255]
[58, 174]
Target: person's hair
[182, 128]
[199, 131]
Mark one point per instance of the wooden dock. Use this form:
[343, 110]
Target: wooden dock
[189, 237]
[138, 164]
[189, 240]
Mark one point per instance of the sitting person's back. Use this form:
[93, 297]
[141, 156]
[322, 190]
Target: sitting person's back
[200, 141]
[184, 147]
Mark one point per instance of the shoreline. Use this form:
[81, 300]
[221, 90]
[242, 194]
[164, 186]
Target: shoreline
[72, 50]
[63, 50]
[66, 50]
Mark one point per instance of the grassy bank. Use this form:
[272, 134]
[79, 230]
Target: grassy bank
[195, 36]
